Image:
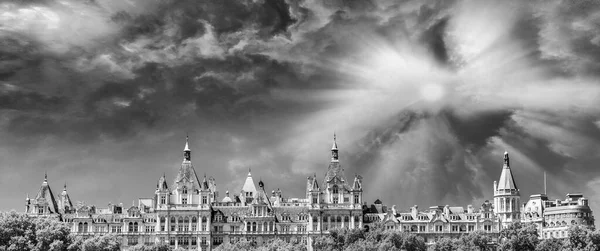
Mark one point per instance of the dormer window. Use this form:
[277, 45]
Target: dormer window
[184, 190]
[335, 189]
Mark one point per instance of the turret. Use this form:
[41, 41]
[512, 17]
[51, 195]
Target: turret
[506, 195]
[334, 149]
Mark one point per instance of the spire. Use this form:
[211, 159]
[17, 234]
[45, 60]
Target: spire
[506, 180]
[334, 149]
[65, 187]
[249, 172]
[46, 176]
[187, 153]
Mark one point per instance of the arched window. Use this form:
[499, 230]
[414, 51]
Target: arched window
[253, 226]
[265, 227]
[335, 189]
[184, 190]
[80, 227]
[249, 227]
[180, 224]
[271, 224]
[346, 219]
[85, 227]
[186, 225]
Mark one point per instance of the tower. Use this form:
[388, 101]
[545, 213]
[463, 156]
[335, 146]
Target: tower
[507, 198]
[334, 150]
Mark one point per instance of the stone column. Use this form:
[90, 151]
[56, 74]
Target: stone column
[352, 222]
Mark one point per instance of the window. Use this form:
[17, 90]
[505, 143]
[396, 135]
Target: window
[172, 223]
[172, 241]
[163, 199]
[184, 201]
[315, 200]
[194, 223]
[335, 189]
[218, 218]
[285, 217]
[180, 225]
[133, 227]
[194, 241]
[253, 226]
[439, 228]
[217, 240]
[148, 240]
[487, 228]
[471, 228]
[186, 224]
[204, 199]
[346, 199]
[162, 224]
[149, 229]
[421, 228]
[132, 241]
[203, 241]
[335, 200]
[184, 190]
[356, 199]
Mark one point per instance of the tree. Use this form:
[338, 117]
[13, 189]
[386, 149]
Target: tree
[474, 241]
[241, 244]
[403, 241]
[519, 237]
[582, 239]
[444, 244]
[107, 242]
[550, 245]
[154, 247]
[19, 232]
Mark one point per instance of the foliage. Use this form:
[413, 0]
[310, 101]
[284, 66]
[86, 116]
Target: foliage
[19, 232]
[107, 242]
[444, 244]
[377, 238]
[155, 247]
[274, 244]
[519, 237]
[582, 239]
[550, 245]
[474, 241]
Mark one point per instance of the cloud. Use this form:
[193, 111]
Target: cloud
[265, 84]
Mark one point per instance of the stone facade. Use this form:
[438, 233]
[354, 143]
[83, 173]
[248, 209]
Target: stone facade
[554, 217]
[189, 213]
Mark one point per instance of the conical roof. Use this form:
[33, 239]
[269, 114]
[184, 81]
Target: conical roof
[249, 184]
[45, 195]
[507, 181]
[186, 172]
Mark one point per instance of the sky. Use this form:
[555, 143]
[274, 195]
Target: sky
[424, 96]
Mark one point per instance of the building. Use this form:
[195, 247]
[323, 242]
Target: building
[188, 213]
[555, 217]
[552, 217]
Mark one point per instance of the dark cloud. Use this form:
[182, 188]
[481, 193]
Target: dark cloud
[245, 76]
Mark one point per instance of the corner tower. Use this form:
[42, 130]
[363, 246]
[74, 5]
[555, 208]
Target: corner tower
[507, 199]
